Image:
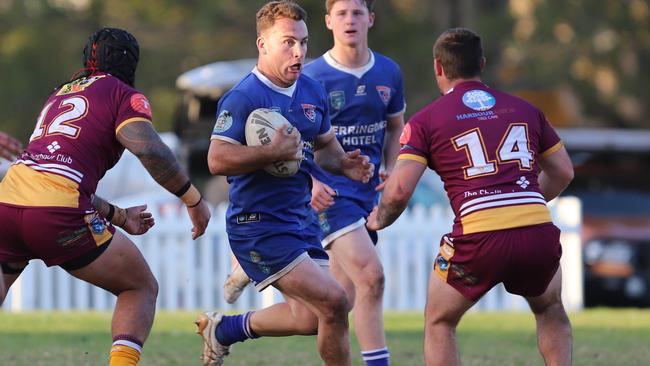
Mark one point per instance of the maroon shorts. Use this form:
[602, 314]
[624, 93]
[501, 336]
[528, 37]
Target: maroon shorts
[54, 235]
[524, 259]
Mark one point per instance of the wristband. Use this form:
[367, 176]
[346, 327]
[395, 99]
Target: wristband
[197, 203]
[183, 189]
[192, 197]
[111, 212]
[117, 218]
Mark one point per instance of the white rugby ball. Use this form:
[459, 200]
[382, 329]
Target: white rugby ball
[261, 126]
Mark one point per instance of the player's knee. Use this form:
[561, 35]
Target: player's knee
[337, 306]
[376, 284]
[434, 317]
[372, 282]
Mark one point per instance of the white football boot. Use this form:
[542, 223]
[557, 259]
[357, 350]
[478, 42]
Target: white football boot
[235, 284]
[213, 351]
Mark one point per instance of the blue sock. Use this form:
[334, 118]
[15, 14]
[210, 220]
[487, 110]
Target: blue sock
[235, 328]
[376, 357]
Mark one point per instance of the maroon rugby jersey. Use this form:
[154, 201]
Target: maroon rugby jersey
[485, 145]
[74, 143]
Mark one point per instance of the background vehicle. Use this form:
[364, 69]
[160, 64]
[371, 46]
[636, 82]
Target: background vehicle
[614, 187]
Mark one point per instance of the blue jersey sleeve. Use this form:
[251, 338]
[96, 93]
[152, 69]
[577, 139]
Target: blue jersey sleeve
[397, 103]
[232, 111]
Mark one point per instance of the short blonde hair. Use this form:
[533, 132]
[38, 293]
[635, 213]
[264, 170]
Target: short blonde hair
[274, 10]
[370, 4]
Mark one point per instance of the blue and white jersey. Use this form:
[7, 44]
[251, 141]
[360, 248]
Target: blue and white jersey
[259, 201]
[360, 101]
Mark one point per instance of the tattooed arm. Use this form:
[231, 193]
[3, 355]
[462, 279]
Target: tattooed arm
[397, 192]
[143, 141]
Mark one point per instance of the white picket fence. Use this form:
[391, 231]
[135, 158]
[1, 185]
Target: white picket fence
[191, 273]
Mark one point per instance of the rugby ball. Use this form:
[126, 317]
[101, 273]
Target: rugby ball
[261, 126]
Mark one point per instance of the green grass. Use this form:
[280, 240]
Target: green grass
[601, 337]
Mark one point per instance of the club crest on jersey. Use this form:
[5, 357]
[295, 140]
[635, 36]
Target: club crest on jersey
[384, 93]
[95, 223]
[223, 123]
[337, 99]
[78, 85]
[479, 100]
[310, 111]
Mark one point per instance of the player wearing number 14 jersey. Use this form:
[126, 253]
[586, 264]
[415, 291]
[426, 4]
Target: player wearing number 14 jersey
[500, 161]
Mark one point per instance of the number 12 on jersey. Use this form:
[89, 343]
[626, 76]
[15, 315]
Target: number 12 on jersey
[75, 109]
[514, 148]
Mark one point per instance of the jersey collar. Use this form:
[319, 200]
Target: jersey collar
[288, 91]
[466, 85]
[358, 71]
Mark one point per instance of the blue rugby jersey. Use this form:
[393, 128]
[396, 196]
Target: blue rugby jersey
[360, 101]
[259, 201]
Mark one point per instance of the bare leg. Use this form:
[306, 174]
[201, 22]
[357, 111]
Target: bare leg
[356, 265]
[311, 290]
[554, 337]
[122, 270]
[445, 306]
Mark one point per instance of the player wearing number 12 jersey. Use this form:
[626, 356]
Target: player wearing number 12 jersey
[48, 208]
[500, 161]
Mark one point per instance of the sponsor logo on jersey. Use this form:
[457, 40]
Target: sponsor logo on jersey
[69, 238]
[384, 93]
[337, 99]
[310, 111]
[442, 263]
[361, 90]
[140, 104]
[78, 85]
[95, 223]
[246, 218]
[54, 146]
[223, 123]
[256, 257]
[479, 100]
[324, 224]
[523, 182]
[463, 275]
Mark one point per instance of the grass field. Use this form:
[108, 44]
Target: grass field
[601, 337]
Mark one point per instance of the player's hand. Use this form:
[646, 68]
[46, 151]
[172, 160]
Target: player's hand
[138, 221]
[383, 176]
[322, 195]
[9, 147]
[286, 144]
[357, 167]
[371, 220]
[200, 217]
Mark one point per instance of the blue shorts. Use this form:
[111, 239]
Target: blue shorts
[341, 218]
[266, 258]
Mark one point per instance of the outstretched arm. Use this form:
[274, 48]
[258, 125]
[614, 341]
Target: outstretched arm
[397, 192]
[143, 141]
